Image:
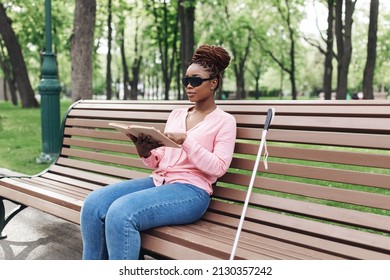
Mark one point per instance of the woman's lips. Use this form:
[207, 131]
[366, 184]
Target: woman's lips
[191, 94]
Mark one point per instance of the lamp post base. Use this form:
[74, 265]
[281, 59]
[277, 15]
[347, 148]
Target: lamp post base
[45, 158]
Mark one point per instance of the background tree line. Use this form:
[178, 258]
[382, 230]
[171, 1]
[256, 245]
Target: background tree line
[130, 49]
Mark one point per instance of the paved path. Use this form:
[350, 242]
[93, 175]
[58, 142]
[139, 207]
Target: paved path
[35, 235]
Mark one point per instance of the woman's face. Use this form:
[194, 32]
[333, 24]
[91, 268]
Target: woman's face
[196, 89]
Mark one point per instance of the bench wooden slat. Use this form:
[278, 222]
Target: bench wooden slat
[42, 204]
[252, 245]
[92, 133]
[172, 250]
[376, 108]
[194, 241]
[323, 245]
[99, 168]
[276, 249]
[42, 193]
[104, 123]
[57, 187]
[339, 139]
[107, 158]
[319, 123]
[82, 184]
[89, 177]
[327, 156]
[100, 146]
[120, 115]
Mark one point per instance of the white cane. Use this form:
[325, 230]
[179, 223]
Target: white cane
[268, 120]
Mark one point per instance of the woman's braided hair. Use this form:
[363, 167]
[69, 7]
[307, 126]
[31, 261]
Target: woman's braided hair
[213, 58]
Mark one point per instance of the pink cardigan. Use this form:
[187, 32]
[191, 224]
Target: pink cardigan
[205, 154]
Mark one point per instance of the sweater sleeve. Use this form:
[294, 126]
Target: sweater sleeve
[154, 159]
[216, 162]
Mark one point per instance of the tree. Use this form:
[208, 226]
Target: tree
[240, 49]
[187, 40]
[287, 31]
[329, 54]
[9, 79]
[166, 21]
[109, 55]
[369, 69]
[19, 69]
[125, 68]
[136, 66]
[343, 31]
[82, 49]
[256, 69]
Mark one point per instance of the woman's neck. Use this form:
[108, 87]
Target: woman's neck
[205, 107]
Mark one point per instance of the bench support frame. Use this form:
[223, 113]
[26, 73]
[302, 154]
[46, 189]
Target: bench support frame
[4, 220]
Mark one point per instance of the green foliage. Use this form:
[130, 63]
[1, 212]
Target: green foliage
[228, 23]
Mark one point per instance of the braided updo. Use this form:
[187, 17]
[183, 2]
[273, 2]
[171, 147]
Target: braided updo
[214, 58]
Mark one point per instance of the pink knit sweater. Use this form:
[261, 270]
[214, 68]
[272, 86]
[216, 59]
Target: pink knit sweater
[205, 154]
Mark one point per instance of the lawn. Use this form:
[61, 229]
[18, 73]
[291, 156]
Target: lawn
[20, 137]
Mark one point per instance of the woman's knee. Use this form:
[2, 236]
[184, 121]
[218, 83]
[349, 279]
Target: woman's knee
[120, 217]
[91, 203]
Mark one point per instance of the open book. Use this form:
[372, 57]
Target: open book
[135, 130]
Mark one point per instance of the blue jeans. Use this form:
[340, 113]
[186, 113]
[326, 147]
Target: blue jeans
[113, 217]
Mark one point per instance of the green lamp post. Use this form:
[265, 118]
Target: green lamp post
[49, 89]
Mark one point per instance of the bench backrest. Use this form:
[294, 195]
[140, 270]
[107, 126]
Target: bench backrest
[328, 161]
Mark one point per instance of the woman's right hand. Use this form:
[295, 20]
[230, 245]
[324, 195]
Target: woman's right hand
[144, 144]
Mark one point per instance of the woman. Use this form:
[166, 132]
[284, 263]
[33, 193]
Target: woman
[179, 189]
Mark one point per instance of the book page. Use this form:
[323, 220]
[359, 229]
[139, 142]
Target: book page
[135, 130]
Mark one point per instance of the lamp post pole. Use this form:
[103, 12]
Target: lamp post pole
[49, 89]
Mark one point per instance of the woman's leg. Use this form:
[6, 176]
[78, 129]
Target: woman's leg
[169, 204]
[94, 211]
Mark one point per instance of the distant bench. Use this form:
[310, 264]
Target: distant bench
[326, 194]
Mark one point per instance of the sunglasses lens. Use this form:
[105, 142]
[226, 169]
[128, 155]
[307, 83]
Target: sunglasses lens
[193, 81]
[185, 81]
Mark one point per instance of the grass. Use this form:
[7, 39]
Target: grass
[20, 137]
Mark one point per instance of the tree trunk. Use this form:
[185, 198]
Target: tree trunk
[369, 70]
[344, 44]
[328, 67]
[8, 77]
[135, 69]
[292, 59]
[82, 49]
[239, 69]
[187, 19]
[109, 56]
[19, 68]
[126, 79]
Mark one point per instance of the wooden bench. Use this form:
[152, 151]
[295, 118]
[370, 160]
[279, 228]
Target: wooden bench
[325, 195]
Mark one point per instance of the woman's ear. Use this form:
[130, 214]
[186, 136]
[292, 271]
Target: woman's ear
[214, 83]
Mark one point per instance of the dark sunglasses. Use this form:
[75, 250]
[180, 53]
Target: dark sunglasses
[195, 81]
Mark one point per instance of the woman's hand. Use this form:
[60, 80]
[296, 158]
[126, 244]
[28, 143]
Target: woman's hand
[144, 144]
[179, 138]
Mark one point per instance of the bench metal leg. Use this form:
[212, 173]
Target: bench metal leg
[4, 220]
